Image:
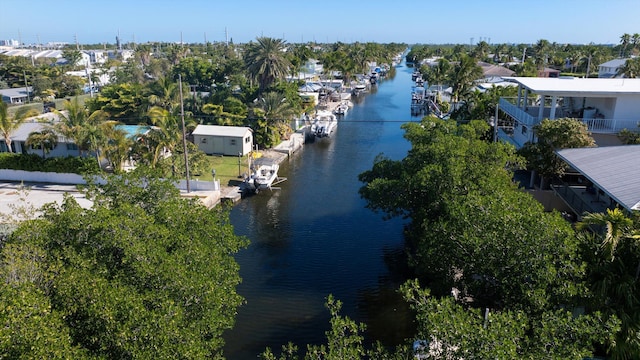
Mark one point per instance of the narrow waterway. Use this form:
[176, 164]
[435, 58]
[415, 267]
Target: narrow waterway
[315, 237]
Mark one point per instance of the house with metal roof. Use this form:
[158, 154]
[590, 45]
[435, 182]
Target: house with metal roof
[65, 147]
[610, 68]
[606, 106]
[16, 95]
[608, 177]
[223, 140]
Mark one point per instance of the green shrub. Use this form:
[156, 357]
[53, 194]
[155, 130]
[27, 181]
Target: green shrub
[32, 162]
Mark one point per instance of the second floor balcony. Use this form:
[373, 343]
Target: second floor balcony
[596, 122]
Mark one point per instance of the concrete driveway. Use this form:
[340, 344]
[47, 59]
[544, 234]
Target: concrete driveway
[16, 196]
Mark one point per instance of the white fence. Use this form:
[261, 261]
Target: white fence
[75, 179]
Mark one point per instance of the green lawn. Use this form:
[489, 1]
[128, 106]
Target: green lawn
[38, 106]
[226, 169]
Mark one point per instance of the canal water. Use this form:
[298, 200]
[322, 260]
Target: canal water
[315, 237]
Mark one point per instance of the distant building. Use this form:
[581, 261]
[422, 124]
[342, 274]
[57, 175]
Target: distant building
[16, 95]
[611, 68]
[549, 73]
[10, 43]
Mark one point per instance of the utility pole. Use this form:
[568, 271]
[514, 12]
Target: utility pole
[26, 86]
[184, 134]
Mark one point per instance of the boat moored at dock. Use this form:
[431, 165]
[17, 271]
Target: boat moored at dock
[264, 174]
[324, 124]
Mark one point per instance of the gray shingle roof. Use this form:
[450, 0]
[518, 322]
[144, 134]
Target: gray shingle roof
[614, 169]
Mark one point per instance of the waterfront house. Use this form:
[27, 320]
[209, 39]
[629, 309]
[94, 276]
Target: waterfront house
[223, 140]
[600, 178]
[606, 106]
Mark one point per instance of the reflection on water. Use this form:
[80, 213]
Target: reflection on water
[315, 237]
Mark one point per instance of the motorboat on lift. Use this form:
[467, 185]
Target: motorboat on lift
[264, 174]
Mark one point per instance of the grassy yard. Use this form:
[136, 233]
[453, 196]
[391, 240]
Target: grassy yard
[226, 169]
[38, 106]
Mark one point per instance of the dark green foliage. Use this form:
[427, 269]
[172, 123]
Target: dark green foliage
[628, 137]
[474, 234]
[33, 162]
[457, 332]
[122, 102]
[144, 274]
[554, 135]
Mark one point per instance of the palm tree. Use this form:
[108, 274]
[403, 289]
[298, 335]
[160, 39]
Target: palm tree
[625, 39]
[118, 148]
[635, 41]
[266, 61]
[46, 140]
[612, 276]
[95, 133]
[481, 50]
[299, 56]
[541, 53]
[616, 224]
[437, 75]
[630, 69]
[9, 124]
[274, 118]
[164, 93]
[463, 75]
[72, 121]
[166, 133]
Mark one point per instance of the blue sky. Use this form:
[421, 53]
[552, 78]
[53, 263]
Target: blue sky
[409, 21]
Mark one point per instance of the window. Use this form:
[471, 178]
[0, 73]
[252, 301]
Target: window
[71, 146]
[203, 140]
[247, 140]
[524, 130]
[233, 142]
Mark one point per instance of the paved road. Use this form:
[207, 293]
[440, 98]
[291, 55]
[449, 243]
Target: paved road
[17, 195]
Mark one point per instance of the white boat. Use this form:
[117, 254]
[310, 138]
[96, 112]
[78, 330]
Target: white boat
[263, 175]
[342, 108]
[359, 89]
[324, 124]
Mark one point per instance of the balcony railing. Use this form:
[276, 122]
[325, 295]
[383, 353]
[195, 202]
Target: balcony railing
[579, 199]
[595, 125]
[517, 113]
[611, 126]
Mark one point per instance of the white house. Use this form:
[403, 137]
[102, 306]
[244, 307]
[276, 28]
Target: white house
[16, 95]
[610, 68]
[65, 147]
[605, 105]
[224, 140]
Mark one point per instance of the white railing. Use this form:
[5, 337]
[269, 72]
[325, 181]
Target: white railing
[611, 126]
[596, 125]
[517, 113]
[75, 179]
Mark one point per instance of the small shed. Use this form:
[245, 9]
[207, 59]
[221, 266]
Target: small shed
[224, 140]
